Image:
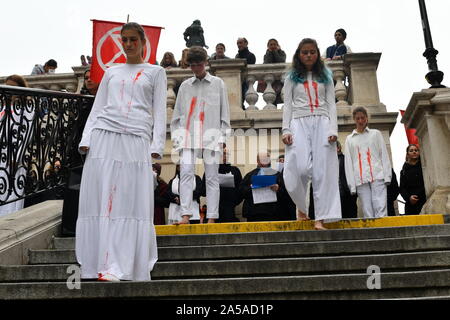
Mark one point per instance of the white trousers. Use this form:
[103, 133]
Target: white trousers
[311, 156]
[373, 197]
[187, 175]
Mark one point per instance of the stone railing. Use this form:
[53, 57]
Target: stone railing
[355, 84]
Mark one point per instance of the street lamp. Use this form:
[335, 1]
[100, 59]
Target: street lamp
[434, 76]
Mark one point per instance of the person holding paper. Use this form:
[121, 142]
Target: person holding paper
[261, 193]
[310, 134]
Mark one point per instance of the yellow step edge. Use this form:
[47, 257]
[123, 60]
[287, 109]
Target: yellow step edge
[398, 221]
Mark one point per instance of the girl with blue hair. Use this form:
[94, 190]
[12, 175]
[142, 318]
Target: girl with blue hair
[310, 134]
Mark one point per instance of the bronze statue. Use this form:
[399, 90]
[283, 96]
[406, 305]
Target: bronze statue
[194, 35]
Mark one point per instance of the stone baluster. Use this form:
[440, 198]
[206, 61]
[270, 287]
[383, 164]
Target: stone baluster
[269, 94]
[341, 92]
[171, 97]
[55, 87]
[71, 87]
[251, 96]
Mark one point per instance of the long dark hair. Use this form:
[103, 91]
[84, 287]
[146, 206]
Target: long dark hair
[298, 71]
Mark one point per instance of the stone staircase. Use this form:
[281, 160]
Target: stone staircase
[414, 263]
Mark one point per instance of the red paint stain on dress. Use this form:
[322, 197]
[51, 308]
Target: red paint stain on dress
[369, 160]
[360, 166]
[110, 200]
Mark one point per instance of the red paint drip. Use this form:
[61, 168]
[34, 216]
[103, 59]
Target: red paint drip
[110, 200]
[202, 120]
[316, 91]
[369, 160]
[138, 75]
[360, 166]
[306, 85]
[191, 112]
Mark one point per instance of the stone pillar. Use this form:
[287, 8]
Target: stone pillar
[363, 83]
[429, 113]
[230, 71]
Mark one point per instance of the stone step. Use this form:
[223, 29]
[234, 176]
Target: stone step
[286, 236]
[251, 267]
[271, 250]
[344, 286]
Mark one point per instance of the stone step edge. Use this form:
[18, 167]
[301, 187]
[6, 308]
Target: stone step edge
[239, 227]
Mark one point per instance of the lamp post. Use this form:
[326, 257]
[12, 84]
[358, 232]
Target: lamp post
[434, 76]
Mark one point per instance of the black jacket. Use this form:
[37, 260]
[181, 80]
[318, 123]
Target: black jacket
[411, 183]
[246, 54]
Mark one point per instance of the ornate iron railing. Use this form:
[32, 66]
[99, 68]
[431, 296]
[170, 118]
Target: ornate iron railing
[39, 135]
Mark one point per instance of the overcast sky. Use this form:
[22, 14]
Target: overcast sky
[35, 31]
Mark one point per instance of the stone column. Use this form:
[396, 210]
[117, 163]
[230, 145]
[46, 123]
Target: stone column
[363, 83]
[429, 113]
[230, 71]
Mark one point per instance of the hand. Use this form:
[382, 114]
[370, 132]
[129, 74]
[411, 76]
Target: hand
[332, 139]
[413, 199]
[287, 139]
[84, 149]
[274, 187]
[177, 200]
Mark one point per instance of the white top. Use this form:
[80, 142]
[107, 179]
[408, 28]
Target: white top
[131, 99]
[310, 98]
[201, 118]
[366, 158]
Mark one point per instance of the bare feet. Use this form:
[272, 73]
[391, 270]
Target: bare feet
[318, 225]
[211, 220]
[301, 216]
[184, 220]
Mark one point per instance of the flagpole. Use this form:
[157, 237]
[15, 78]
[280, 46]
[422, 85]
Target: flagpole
[128, 18]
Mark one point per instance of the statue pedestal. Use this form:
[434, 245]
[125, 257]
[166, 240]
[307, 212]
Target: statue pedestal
[429, 113]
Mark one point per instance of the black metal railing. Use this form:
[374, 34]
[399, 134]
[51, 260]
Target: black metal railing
[39, 135]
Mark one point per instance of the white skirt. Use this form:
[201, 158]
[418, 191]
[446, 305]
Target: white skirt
[115, 232]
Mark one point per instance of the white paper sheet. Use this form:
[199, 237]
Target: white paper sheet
[264, 195]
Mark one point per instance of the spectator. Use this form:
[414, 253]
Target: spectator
[340, 48]
[367, 166]
[89, 86]
[244, 53]
[274, 54]
[310, 132]
[412, 186]
[220, 52]
[7, 129]
[349, 207]
[49, 67]
[280, 163]
[168, 61]
[229, 180]
[392, 193]
[183, 64]
[173, 196]
[200, 123]
[161, 200]
[266, 211]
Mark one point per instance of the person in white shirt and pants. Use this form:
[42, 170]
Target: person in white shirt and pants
[200, 124]
[310, 134]
[367, 166]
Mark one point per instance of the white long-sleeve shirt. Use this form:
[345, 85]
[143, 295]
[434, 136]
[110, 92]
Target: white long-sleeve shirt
[366, 158]
[201, 117]
[131, 99]
[308, 99]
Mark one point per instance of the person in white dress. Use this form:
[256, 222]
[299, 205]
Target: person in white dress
[115, 235]
[199, 127]
[367, 166]
[310, 134]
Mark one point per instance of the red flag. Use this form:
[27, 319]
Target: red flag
[410, 133]
[107, 48]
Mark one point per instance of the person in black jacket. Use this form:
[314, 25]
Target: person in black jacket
[412, 186]
[392, 193]
[268, 211]
[230, 196]
[349, 208]
[244, 53]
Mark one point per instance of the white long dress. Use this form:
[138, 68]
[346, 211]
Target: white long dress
[115, 232]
